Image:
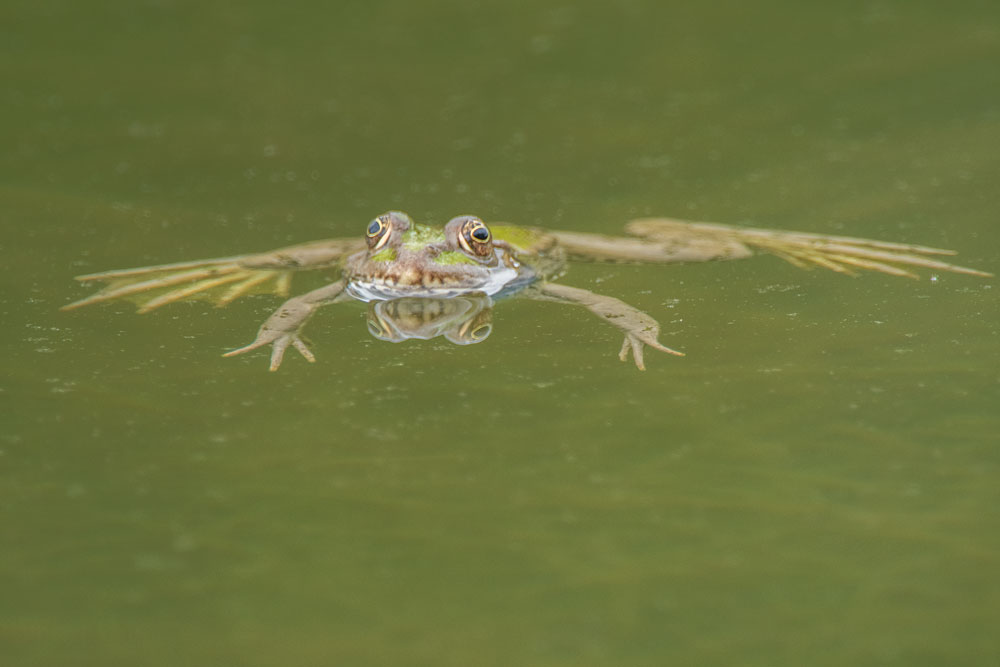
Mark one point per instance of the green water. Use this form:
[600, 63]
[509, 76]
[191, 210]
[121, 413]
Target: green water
[814, 484]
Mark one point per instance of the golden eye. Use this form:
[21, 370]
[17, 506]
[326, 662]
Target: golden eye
[479, 231]
[379, 230]
[375, 227]
[475, 237]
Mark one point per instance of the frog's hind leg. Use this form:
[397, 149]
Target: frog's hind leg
[268, 272]
[242, 287]
[282, 284]
[844, 254]
[183, 281]
[639, 328]
[130, 282]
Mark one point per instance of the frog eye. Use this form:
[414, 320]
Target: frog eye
[480, 233]
[475, 237]
[379, 230]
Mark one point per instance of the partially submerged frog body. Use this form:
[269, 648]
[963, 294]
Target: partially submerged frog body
[422, 281]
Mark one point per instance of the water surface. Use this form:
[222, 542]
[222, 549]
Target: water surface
[815, 483]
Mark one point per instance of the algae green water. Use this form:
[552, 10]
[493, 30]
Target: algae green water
[816, 482]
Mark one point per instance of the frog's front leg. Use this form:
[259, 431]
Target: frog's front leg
[639, 328]
[282, 328]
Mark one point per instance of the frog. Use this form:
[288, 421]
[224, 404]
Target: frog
[422, 281]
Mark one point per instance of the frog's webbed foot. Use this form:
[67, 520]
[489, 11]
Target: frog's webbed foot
[221, 280]
[679, 240]
[280, 342]
[633, 344]
[639, 328]
[282, 328]
[154, 286]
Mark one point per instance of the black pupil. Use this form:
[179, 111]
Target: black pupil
[374, 228]
[481, 234]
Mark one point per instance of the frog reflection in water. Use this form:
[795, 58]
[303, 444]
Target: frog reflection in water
[422, 282]
[462, 319]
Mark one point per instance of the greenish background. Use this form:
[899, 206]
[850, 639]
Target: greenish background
[815, 483]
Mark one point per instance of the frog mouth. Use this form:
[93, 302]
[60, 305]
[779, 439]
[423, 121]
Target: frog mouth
[393, 286]
[373, 290]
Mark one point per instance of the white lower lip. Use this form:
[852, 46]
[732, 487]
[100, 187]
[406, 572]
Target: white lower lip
[373, 290]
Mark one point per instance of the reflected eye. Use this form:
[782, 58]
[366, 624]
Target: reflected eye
[481, 332]
[379, 230]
